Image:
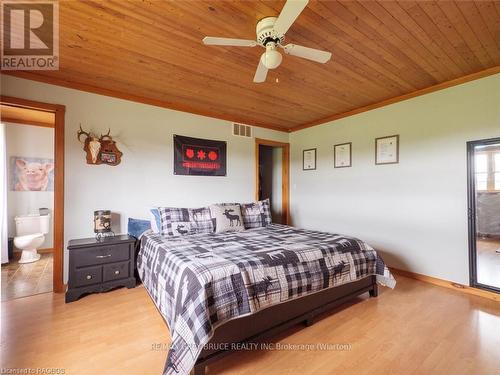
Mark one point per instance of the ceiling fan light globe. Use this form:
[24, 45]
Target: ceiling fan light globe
[271, 59]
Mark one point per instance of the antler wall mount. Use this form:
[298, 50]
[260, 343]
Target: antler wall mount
[100, 150]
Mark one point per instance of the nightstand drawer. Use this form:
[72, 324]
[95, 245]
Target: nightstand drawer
[101, 254]
[115, 271]
[88, 276]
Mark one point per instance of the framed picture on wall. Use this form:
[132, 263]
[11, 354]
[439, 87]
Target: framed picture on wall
[31, 174]
[342, 154]
[309, 159]
[387, 150]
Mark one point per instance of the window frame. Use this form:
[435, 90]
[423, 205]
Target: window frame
[491, 169]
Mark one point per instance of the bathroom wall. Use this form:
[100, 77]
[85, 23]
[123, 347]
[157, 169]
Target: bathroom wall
[28, 141]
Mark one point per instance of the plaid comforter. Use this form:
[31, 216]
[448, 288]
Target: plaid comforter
[201, 281]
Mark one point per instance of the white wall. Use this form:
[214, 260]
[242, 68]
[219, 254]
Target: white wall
[145, 176]
[36, 142]
[414, 212]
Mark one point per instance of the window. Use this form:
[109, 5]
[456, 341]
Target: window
[487, 166]
[482, 171]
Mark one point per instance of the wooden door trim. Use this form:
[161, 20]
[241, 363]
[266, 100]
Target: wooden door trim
[285, 174]
[29, 122]
[59, 111]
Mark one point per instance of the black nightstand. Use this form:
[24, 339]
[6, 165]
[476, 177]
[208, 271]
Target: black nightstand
[100, 265]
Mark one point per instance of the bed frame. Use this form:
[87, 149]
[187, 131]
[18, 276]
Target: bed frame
[275, 319]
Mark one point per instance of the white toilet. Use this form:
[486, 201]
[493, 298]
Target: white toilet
[30, 235]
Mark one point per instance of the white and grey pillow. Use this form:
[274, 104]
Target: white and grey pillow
[256, 214]
[155, 220]
[226, 217]
[185, 221]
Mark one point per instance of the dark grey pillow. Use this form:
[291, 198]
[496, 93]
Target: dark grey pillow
[185, 221]
[256, 214]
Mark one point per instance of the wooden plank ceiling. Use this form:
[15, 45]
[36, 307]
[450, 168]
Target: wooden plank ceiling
[151, 51]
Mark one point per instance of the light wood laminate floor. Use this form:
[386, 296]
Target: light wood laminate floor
[488, 261]
[416, 328]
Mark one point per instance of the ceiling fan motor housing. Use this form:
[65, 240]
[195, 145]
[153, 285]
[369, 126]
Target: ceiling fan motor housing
[265, 33]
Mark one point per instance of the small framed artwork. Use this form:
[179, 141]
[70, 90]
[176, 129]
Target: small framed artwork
[342, 154]
[387, 150]
[309, 159]
[108, 158]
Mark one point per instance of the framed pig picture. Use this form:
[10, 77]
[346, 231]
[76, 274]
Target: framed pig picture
[31, 174]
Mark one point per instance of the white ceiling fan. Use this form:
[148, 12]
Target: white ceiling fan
[270, 35]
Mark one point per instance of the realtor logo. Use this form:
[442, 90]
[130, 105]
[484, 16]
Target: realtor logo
[30, 35]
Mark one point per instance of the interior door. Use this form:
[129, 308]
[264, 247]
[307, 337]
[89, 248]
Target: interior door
[278, 163]
[484, 213]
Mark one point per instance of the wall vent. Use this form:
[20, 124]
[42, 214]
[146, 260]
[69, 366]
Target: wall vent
[242, 130]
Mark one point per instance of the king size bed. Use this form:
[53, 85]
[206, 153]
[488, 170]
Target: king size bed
[215, 290]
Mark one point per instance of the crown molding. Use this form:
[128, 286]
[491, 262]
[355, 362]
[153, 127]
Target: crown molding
[400, 98]
[183, 108]
[138, 99]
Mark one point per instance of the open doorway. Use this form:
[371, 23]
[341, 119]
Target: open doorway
[484, 213]
[272, 177]
[33, 190]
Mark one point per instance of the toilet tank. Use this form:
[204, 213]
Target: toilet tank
[30, 224]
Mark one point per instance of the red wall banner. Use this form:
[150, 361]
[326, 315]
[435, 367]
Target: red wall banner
[199, 157]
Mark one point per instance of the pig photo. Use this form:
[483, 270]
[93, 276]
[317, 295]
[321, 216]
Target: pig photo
[32, 174]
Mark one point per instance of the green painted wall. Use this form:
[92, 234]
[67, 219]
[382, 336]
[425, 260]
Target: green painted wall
[414, 212]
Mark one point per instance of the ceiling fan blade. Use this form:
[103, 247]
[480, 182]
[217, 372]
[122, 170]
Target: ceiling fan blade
[260, 73]
[213, 41]
[288, 15]
[307, 53]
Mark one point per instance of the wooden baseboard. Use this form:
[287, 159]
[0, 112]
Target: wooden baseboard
[46, 251]
[448, 284]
